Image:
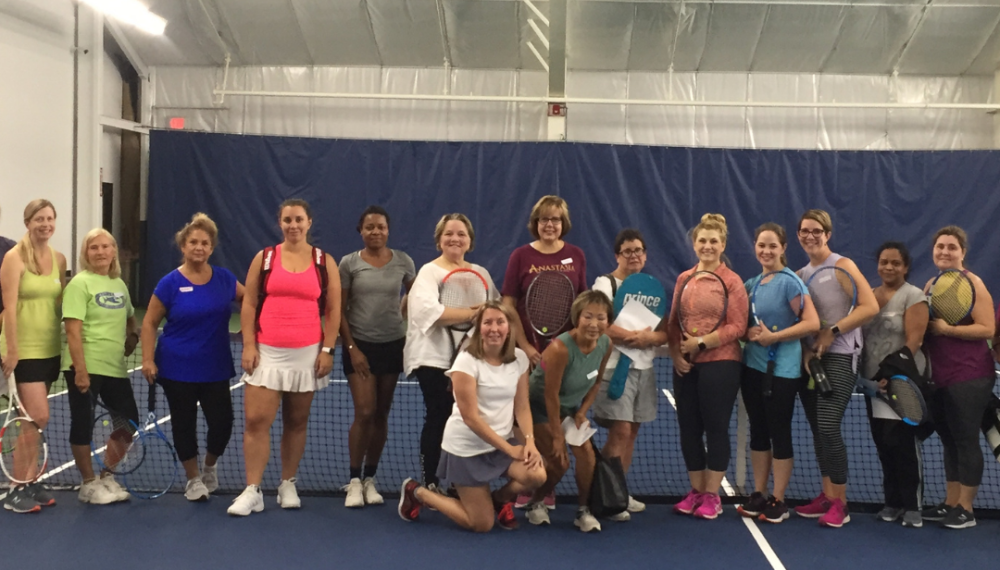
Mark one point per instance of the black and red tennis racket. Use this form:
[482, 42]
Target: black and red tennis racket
[548, 305]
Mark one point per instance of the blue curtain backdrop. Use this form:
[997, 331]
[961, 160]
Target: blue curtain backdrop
[873, 196]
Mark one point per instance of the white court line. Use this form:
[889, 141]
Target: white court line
[758, 536]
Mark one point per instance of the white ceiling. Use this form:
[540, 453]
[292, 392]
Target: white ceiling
[917, 37]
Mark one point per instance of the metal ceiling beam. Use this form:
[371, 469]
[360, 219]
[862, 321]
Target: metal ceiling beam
[557, 48]
[371, 28]
[127, 48]
[445, 44]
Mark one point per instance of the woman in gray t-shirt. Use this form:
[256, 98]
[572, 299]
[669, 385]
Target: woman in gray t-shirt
[901, 321]
[373, 333]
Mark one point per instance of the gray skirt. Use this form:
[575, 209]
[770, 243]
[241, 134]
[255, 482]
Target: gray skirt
[475, 471]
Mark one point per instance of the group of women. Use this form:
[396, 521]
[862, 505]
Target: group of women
[499, 406]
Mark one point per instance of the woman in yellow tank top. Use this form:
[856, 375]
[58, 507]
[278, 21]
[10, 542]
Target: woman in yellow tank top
[31, 281]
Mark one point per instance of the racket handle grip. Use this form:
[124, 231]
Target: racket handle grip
[818, 374]
[768, 381]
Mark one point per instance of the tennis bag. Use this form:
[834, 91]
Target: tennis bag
[608, 491]
[902, 363]
[991, 426]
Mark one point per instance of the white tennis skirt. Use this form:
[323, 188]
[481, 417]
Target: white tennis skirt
[287, 369]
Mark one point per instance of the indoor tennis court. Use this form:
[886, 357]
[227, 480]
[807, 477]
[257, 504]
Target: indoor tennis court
[133, 115]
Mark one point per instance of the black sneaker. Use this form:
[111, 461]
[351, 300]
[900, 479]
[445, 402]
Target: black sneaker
[40, 494]
[958, 517]
[935, 513]
[753, 507]
[775, 511]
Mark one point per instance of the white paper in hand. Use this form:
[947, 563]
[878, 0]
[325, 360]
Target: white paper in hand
[576, 436]
[635, 316]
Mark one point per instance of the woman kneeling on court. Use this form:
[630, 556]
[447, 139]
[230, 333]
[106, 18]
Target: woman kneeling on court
[565, 384]
[100, 332]
[490, 383]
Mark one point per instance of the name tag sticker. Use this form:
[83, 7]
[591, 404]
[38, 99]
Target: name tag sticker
[891, 314]
[592, 375]
[186, 289]
[825, 278]
[567, 261]
[57, 281]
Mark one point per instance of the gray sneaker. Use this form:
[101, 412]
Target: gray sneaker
[890, 514]
[40, 494]
[20, 501]
[913, 519]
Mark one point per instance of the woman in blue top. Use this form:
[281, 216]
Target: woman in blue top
[193, 361]
[778, 300]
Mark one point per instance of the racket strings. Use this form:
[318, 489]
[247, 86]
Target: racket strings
[702, 305]
[462, 291]
[549, 302]
[907, 400]
[123, 448]
[22, 450]
[952, 297]
[158, 473]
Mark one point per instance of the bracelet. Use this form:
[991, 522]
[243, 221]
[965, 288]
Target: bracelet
[528, 436]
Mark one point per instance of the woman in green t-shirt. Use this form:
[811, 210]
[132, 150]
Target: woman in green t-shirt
[100, 332]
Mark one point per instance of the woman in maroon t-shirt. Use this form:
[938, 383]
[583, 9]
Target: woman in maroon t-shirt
[548, 224]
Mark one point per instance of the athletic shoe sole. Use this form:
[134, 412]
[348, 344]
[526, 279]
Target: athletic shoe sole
[778, 520]
[846, 520]
[746, 513]
[966, 524]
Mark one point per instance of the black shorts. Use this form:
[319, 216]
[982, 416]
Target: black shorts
[383, 357]
[115, 393]
[37, 370]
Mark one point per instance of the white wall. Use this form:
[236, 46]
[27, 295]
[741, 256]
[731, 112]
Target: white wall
[36, 100]
[111, 139]
[187, 92]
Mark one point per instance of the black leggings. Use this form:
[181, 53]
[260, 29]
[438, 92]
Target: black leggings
[826, 414]
[116, 395]
[705, 398]
[438, 400]
[902, 463]
[183, 399]
[958, 413]
[771, 417]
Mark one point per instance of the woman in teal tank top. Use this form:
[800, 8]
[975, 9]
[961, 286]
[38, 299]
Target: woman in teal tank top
[564, 385]
[31, 279]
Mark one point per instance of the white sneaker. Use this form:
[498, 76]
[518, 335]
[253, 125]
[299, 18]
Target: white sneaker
[210, 477]
[355, 494]
[372, 496]
[623, 516]
[251, 500]
[288, 497]
[95, 493]
[119, 492]
[586, 521]
[196, 490]
[635, 506]
[537, 513]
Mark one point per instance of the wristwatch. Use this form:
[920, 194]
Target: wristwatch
[328, 349]
[835, 330]
[701, 344]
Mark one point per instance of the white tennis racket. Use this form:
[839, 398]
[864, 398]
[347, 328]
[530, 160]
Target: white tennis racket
[23, 449]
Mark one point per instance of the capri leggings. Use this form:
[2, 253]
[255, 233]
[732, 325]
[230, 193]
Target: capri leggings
[438, 400]
[183, 398]
[115, 393]
[771, 417]
[705, 398]
[958, 412]
[825, 415]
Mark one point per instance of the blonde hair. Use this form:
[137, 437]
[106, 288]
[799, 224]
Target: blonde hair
[25, 249]
[199, 221]
[591, 297]
[115, 271]
[711, 221]
[475, 347]
[439, 229]
[821, 217]
[544, 203]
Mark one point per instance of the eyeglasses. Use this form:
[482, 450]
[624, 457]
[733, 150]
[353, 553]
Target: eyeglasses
[553, 221]
[632, 252]
[813, 233]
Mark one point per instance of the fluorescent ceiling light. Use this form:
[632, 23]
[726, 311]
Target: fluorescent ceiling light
[130, 12]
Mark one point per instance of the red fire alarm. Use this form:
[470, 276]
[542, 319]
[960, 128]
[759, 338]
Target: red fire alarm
[557, 110]
[176, 122]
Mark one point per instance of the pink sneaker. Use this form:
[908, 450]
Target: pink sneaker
[689, 503]
[522, 500]
[817, 508]
[710, 507]
[836, 516]
[550, 501]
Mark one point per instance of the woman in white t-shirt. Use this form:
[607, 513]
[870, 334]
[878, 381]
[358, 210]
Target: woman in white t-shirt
[428, 352]
[490, 383]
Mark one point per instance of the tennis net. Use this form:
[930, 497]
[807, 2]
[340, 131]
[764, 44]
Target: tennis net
[657, 469]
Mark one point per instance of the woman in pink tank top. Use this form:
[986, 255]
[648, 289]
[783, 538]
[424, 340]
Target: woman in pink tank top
[287, 350]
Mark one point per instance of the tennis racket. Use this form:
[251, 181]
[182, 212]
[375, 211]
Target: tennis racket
[462, 289]
[902, 395]
[702, 304]
[991, 426]
[117, 442]
[951, 296]
[777, 301]
[636, 288]
[547, 305]
[835, 294]
[159, 470]
[24, 452]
